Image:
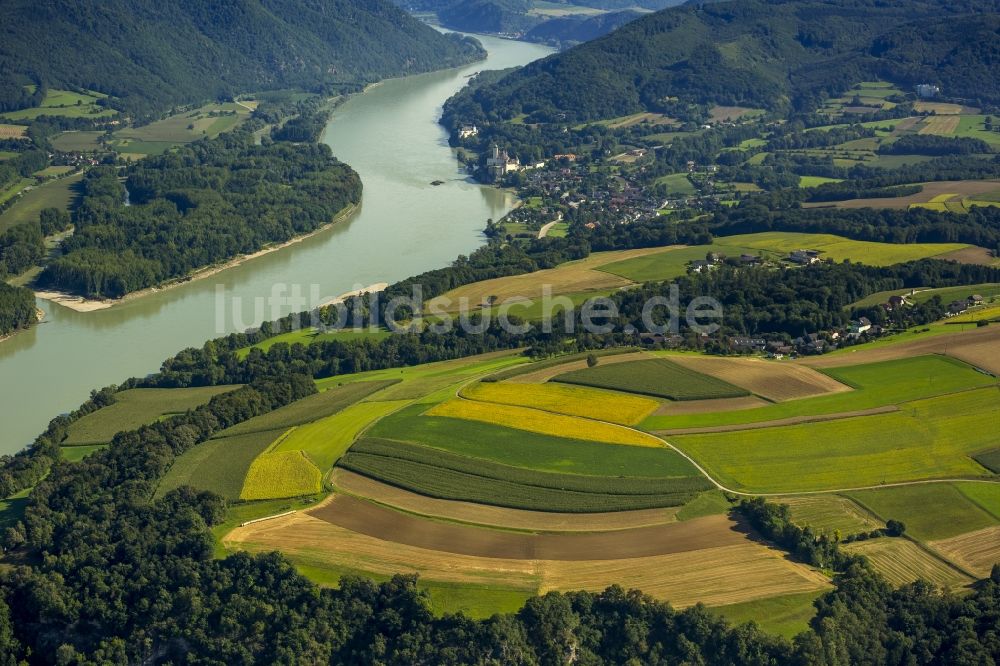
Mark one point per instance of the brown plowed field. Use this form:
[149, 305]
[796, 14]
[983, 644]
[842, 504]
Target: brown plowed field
[978, 347]
[716, 576]
[970, 255]
[384, 523]
[773, 380]
[976, 551]
[543, 375]
[494, 516]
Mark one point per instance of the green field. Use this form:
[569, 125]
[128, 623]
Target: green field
[786, 615]
[657, 377]
[875, 385]
[135, 408]
[815, 181]
[60, 193]
[308, 336]
[709, 503]
[78, 453]
[77, 141]
[443, 475]
[775, 245]
[520, 448]
[985, 495]
[930, 511]
[947, 294]
[219, 465]
[308, 409]
[184, 127]
[677, 184]
[326, 440]
[989, 459]
[64, 103]
[925, 439]
[12, 509]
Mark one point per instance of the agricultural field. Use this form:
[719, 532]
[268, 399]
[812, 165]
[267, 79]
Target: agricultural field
[571, 400]
[934, 195]
[924, 439]
[816, 181]
[326, 440]
[59, 193]
[570, 278]
[442, 475]
[831, 513]
[206, 122]
[740, 569]
[137, 407]
[529, 450]
[901, 562]
[486, 515]
[657, 377]
[677, 184]
[786, 615]
[78, 453]
[77, 141]
[920, 295]
[310, 408]
[877, 383]
[775, 246]
[931, 511]
[12, 509]
[773, 381]
[12, 131]
[66, 104]
[279, 474]
[219, 465]
[308, 336]
[543, 423]
[977, 552]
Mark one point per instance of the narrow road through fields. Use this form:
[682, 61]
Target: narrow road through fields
[720, 486]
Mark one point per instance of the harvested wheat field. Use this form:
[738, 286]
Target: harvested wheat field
[715, 577]
[931, 192]
[901, 561]
[771, 380]
[494, 516]
[720, 575]
[682, 407]
[944, 125]
[977, 347]
[573, 277]
[545, 374]
[972, 255]
[384, 523]
[975, 551]
[12, 131]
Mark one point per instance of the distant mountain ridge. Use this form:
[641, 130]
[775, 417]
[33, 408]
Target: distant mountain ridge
[760, 53]
[151, 54]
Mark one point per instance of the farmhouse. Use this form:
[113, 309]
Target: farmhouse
[467, 131]
[804, 257]
[862, 325]
[928, 91]
[957, 307]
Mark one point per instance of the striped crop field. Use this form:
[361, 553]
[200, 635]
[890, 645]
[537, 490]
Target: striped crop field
[546, 423]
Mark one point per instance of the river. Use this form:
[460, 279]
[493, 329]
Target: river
[404, 226]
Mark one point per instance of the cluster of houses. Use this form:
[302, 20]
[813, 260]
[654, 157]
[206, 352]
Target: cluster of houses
[810, 343]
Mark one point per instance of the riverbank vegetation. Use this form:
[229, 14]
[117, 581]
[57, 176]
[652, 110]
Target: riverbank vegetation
[198, 206]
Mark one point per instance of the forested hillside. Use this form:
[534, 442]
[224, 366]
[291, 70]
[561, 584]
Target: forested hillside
[758, 53]
[151, 55]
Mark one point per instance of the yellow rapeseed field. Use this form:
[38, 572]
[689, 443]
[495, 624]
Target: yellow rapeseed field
[564, 399]
[546, 423]
[281, 474]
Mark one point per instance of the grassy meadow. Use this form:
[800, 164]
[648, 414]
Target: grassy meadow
[656, 377]
[58, 193]
[279, 474]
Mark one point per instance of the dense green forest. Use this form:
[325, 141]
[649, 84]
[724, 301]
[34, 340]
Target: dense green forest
[17, 308]
[151, 55]
[205, 203]
[771, 54]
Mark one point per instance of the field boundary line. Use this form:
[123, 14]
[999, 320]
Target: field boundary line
[777, 423]
[260, 520]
